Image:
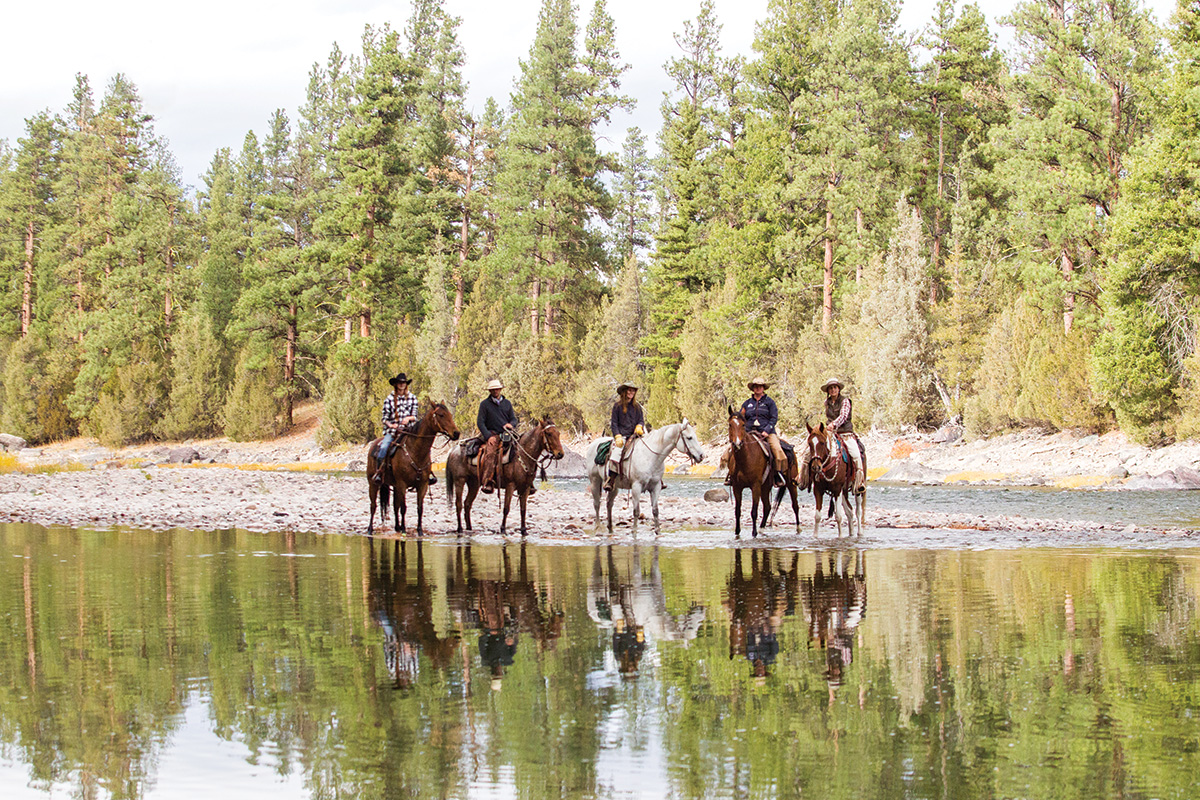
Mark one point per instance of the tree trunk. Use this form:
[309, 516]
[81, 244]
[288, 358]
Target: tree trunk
[1068, 271]
[936, 255]
[827, 295]
[535, 295]
[27, 280]
[289, 365]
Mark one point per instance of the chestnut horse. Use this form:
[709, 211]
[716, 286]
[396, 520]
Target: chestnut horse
[515, 476]
[832, 474]
[752, 468]
[408, 466]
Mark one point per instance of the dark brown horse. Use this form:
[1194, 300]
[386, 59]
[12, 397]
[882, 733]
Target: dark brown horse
[749, 468]
[831, 472]
[515, 476]
[409, 466]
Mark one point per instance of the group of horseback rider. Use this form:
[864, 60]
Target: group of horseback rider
[497, 422]
[761, 415]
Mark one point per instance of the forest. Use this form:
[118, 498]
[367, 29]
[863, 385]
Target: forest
[1005, 238]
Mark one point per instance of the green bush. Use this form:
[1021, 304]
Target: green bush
[198, 392]
[253, 407]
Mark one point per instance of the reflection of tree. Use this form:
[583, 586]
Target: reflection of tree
[635, 609]
[404, 611]
[834, 604]
[757, 605]
[501, 607]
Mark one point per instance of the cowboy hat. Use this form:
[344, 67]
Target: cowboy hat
[494, 384]
[623, 386]
[401, 378]
[832, 382]
[758, 381]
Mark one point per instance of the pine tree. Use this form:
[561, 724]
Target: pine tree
[633, 195]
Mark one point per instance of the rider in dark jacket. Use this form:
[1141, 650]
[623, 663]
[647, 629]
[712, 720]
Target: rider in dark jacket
[628, 420]
[496, 416]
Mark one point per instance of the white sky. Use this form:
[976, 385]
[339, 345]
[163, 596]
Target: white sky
[211, 71]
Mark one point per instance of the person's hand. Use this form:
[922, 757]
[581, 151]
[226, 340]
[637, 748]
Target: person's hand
[508, 426]
[409, 419]
[639, 430]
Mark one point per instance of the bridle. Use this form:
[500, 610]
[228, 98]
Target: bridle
[829, 461]
[544, 456]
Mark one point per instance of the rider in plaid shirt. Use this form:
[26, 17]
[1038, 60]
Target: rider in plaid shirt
[399, 414]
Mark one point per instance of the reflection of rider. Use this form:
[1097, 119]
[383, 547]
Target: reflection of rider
[757, 606]
[840, 416]
[836, 604]
[628, 420]
[496, 417]
[404, 612]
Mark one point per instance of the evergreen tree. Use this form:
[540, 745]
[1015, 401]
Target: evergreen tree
[633, 195]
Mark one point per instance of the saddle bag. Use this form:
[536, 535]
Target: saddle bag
[602, 452]
[471, 447]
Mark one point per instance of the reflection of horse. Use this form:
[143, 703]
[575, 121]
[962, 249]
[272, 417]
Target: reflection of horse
[404, 610]
[635, 609]
[751, 468]
[757, 605]
[517, 475]
[830, 469]
[408, 466]
[835, 604]
[642, 467]
[501, 607]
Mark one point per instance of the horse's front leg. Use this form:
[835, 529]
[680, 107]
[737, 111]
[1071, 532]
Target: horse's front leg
[373, 491]
[400, 509]
[523, 499]
[795, 505]
[612, 498]
[851, 517]
[836, 507]
[817, 517]
[635, 500]
[755, 499]
[655, 488]
[737, 512]
[422, 488]
[597, 487]
[472, 490]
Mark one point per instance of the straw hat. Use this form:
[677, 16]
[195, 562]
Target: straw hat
[832, 382]
[758, 381]
[494, 384]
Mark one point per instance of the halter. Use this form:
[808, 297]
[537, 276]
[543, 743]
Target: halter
[544, 457]
[830, 460]
[646, 444]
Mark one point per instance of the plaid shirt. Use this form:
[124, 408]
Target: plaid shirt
[397, 408]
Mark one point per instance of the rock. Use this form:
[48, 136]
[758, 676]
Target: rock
[1187, 477]
[1087, 440]
[947, 434]
[182, 455]
[1164, 481]
[356, 465]
[571, 465]
[716, 496]
[913, 472]
[11, 443]
[1116, 471]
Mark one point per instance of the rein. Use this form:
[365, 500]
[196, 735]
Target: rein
[543, 457]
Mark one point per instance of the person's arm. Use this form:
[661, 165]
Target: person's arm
[773, 410]
[510, 415]
[481, 422]
[837, 423]
[612, 423]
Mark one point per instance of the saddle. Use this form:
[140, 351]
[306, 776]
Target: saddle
[472, 446]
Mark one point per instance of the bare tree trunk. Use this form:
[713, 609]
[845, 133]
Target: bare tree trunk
[535, 294]
[827, 296]
[937, 208]
[1068, 272]
[289, 365]
[27, 280]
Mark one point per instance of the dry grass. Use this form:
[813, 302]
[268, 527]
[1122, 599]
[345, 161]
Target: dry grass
[9, 464]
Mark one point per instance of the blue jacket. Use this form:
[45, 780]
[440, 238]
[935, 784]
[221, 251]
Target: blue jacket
[761, 415]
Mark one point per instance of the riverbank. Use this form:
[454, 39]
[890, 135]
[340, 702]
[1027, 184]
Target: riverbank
[291, 484]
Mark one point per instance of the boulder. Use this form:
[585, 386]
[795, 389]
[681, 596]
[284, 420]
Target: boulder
[357, 465]
[716, 496]
[1171, 480]
[571, 465]
[947, 434]
[1187, 477]
[913, 472]
[182, 455]
[11, 443]
[1116, 471]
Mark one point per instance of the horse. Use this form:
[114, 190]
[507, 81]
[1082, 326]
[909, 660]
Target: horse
[831, 475]
[408, 467]
[644, 463]
[751, 468]
[515, 476]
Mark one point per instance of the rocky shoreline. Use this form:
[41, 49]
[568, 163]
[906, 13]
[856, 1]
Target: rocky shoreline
[292, 485]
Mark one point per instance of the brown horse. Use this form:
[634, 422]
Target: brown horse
[409, 466]
[750, 468]
[515, 476]
[832, 474]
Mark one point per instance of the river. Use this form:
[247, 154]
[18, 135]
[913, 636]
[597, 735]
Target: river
[232, 664]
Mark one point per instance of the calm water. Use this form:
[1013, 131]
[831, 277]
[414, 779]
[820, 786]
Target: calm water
[193, 665]
[1150, 508]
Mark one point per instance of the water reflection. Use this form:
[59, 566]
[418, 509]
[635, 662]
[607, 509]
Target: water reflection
[835, 602]
[128, 659]
[633, 607]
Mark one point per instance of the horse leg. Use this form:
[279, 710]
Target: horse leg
[612, 497]
[472, 491]
[507, 503]
[635, 496]
[596, 486]
[766, 500]
[401, 500]
[457, 489]
[655, 488]
[523, 498]
[817, 518]
[755, 499]
[373, 491]
[422, 488]
[737, 512]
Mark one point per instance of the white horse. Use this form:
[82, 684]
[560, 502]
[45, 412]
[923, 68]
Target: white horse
[643, 466]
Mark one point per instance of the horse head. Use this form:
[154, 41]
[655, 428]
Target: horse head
[737, 428]
[551, 441]
[691, 442]
[818, 445]
[442, 421]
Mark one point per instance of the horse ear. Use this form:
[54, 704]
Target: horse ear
[821, 427]
[731, 411]
[810, 427]
[685, 422]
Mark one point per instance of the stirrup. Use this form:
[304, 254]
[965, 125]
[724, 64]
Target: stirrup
[432, 479]
[729, 479]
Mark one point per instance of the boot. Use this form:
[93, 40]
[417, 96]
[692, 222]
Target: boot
[532, 490]
[432, 479]
[777, 479]
[729, 478]
[610, 480]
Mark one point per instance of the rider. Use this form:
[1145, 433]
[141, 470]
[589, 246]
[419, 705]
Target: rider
[840, 416]
[496, 417]
[761, 415]
[399, 416]
[628, 420]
